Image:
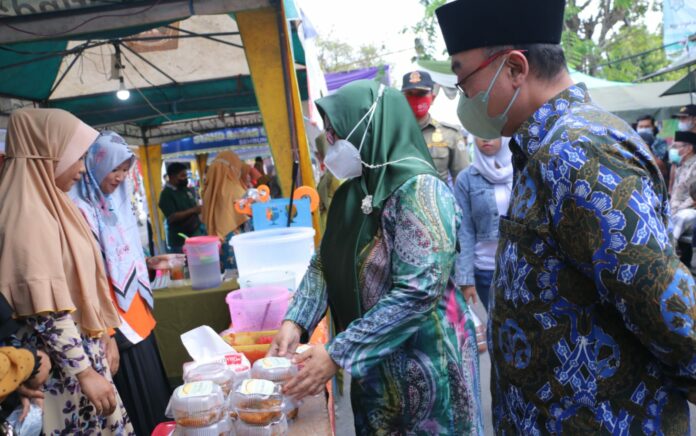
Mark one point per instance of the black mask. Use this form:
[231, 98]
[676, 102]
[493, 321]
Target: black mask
[183, 184]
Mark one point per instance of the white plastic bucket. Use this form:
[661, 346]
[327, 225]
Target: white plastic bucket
[288, 249]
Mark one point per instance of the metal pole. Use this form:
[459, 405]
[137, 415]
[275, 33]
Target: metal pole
[285, 58]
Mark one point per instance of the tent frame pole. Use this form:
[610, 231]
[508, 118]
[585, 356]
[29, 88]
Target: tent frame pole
[285, 59]
[156, 220]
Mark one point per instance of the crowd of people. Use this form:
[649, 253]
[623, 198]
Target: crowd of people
[562, 221]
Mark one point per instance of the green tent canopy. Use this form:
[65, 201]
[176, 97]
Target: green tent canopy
[164, 69]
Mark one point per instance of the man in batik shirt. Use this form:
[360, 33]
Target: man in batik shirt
[593, 317]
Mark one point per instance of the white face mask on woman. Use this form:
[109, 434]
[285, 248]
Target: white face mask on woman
[343, 158]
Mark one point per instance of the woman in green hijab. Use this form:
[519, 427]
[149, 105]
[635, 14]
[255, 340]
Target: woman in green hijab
[403, 331]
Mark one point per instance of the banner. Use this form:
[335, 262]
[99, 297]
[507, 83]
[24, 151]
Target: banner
[226, 138]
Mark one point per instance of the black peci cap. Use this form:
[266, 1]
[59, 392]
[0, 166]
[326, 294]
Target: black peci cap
[688, 137]
[469, 24]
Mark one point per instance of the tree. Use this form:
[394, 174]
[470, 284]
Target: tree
[426, 30]
[337, 55]
[598, 35]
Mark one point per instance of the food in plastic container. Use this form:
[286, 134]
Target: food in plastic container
[220, 428]
[237, 364]
[275, 369]
[197, 404]
[257, 402]
[254, 345]
[215, 372]
[278, 428]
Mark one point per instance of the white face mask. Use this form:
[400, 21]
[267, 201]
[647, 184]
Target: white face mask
[686, 125]
[343, 158]
[473, 112]
[645, 130]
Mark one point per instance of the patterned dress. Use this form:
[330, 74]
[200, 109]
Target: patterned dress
[66, 410]
[412, 355]
[593, 329]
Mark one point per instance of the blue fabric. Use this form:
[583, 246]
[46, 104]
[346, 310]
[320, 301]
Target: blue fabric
[480, 220]
[483, 281]
[112, 219]
[593, 316]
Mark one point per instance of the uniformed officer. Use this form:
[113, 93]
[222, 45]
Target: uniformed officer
[445, 142]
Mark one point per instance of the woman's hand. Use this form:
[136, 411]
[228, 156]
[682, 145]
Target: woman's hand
[162, 261]
[470, 294]
[98, 391]
[113, 358]
[318, 369]
[286, 341]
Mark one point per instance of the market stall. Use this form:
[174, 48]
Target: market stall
[159, 76]
[174, 314]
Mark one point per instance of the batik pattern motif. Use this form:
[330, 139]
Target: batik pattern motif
[412, 354]
[592, 329]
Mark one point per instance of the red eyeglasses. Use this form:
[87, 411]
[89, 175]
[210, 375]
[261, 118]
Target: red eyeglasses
[487, 62]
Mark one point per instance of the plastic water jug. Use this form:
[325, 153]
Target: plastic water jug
[203, 255]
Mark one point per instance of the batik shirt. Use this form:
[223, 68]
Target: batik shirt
[592, 326]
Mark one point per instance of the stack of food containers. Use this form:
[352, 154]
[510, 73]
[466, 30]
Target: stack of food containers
[199, 409]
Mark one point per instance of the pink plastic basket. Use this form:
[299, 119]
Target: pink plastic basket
[258, 309]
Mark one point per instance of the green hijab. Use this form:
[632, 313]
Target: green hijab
[393, 134]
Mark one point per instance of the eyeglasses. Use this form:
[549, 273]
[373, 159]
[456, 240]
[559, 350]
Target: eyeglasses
[487, 62]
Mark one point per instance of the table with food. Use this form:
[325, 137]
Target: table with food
[217, 353]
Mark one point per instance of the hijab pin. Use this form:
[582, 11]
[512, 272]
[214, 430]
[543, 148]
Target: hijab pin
[367, 205]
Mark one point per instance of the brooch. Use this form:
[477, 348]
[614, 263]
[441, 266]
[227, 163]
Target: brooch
[367, 205]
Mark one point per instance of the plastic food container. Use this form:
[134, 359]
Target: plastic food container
[220, 428]
[282, 279]
[287, 249]
[278, 428]
[253, 345]
[197, 404]
[257, 402]
[216, 372]
[203, 254]
[275, 369]
[255, 309]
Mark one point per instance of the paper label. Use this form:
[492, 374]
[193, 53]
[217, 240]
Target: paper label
[275, 363]
[233, 359]
[196, 389]
[256, 387]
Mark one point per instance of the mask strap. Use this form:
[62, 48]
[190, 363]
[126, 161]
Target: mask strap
[373, 167]
[495, 78]
[380, 92]
[509, 106]
[370, 112]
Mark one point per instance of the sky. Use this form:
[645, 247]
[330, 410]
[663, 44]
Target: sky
[380, 22]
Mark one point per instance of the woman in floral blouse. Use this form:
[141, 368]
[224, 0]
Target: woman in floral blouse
[52, 274]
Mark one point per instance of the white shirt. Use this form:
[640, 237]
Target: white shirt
[484, 251]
